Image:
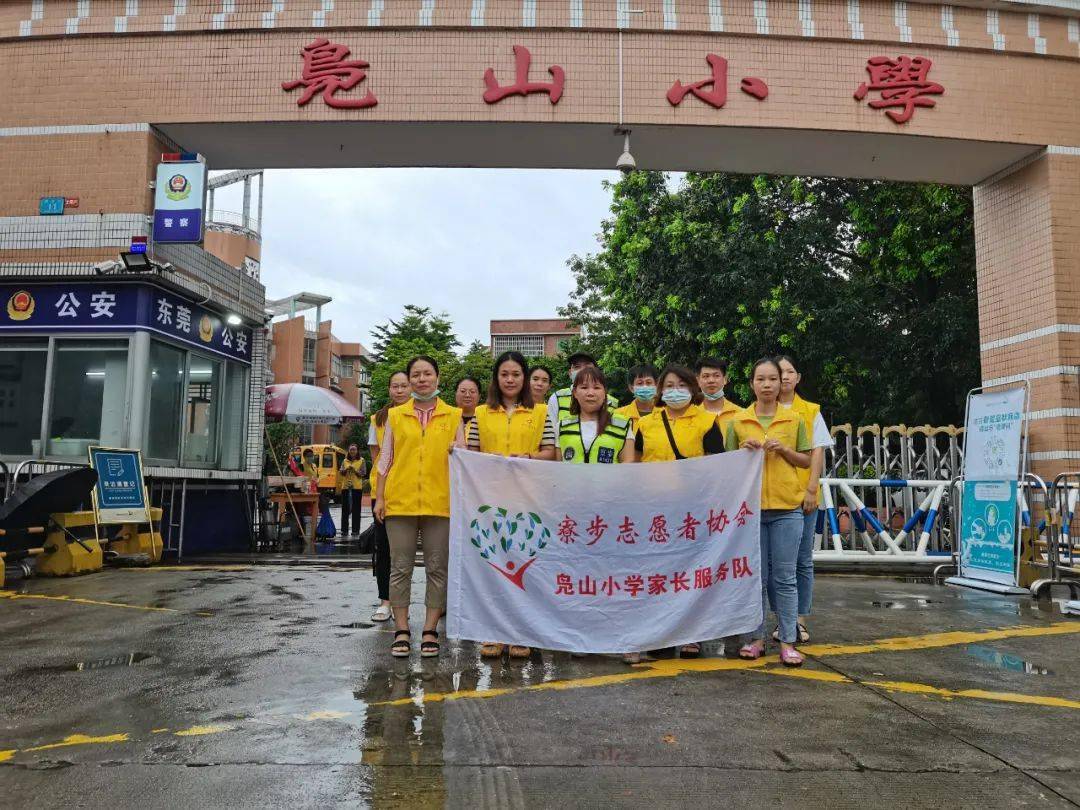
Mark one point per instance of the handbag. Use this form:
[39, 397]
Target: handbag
[366, 541]
[671, 436]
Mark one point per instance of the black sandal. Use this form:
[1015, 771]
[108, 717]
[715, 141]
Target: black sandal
[402, 644]
[429, 649]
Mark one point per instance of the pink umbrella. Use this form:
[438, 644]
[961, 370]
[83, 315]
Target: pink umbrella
[307, 405]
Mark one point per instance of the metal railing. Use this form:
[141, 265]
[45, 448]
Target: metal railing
[232, 219]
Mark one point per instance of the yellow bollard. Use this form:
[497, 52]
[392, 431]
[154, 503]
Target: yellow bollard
[63, 556]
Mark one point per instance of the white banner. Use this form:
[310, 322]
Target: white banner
[995, 428]
[604, 558]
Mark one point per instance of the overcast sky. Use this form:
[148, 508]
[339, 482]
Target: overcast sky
[475, 243]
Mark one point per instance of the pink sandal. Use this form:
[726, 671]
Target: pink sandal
[752, 651]
[790, 657]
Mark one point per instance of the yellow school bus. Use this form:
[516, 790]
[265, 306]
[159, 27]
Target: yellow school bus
[328, 458]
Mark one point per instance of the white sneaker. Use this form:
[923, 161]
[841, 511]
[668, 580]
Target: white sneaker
[382, 613]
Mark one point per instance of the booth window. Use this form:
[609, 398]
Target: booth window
[201, 409]
[22, 394]
[166, 401]
[89, 397]
[234, 417]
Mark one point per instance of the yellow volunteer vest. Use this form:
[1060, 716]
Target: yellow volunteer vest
[419, 479]
[379, 433]
[352, 478]
[727, 413]
[632, 413]
[514, 436]
[689, 431]
[780, 487]
[808, 412]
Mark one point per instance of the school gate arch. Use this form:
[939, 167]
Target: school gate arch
[96, 89]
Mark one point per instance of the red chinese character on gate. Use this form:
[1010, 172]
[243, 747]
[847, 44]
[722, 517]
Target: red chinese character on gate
[680, 582]
[657, 584]
[721, 572]
[740, 567]
[567, 530]
[902, 82]
[587, 586]
[326, 71]
[610, 586]
[688, 528]
[564, 585]
[702, 578]
[596, 529]
[522, 86]
[717, 95]
[717, 522]
[633, 584]
[627, 533]
[744, 513]
[658, 532]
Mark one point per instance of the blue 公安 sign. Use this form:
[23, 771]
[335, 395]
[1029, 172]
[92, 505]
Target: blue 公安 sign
[179, 202]
[51, 206]
[92, 307]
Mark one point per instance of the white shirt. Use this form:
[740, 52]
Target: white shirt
[553, 415]
[821, 437]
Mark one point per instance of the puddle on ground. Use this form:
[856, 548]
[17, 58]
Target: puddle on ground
[124, 660]
[1005, 661]
[907, 604]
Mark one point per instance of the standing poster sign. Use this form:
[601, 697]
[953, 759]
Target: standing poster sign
[989, 551]
[119, 495]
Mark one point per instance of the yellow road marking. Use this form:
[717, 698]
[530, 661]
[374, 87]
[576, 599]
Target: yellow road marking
[202, 731]
[6, 755]
[932, 640]
[924, 689]
[158, 730]
[329, 714]
[80, 739]
[78, 600]
[671, 667]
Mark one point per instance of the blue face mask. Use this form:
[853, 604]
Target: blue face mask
[713, 397]
[644, 393]
[426, 397]
[676, 397]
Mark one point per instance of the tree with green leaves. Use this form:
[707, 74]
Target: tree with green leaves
[419, 331]
[870, 285]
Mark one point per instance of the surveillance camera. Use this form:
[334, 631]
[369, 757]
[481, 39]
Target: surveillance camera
[626, 162]
[166, 268]
[105, 267]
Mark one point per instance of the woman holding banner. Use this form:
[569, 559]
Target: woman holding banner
[592, 434]
[413, 498]
[682, 428]
[779, 433]
[820, 438]
[511, 424]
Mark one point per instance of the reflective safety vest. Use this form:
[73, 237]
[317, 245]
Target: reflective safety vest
[605, 448]
[780, 487]
[514, 435]
[419, 479]
[689, 431]
[564, 396]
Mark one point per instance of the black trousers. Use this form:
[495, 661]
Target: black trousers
[380, 558]
[350, 505]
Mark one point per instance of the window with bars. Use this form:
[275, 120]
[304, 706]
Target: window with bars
[309, 355]
[528, 345]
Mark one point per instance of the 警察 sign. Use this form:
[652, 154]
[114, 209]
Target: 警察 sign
[83, 307]
[179, 202]
[604, 558]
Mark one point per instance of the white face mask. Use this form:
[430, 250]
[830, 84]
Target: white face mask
[713, 397]
[573, 374]
[425, 397]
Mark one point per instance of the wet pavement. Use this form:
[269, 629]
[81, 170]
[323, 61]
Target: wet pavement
[256, 686]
